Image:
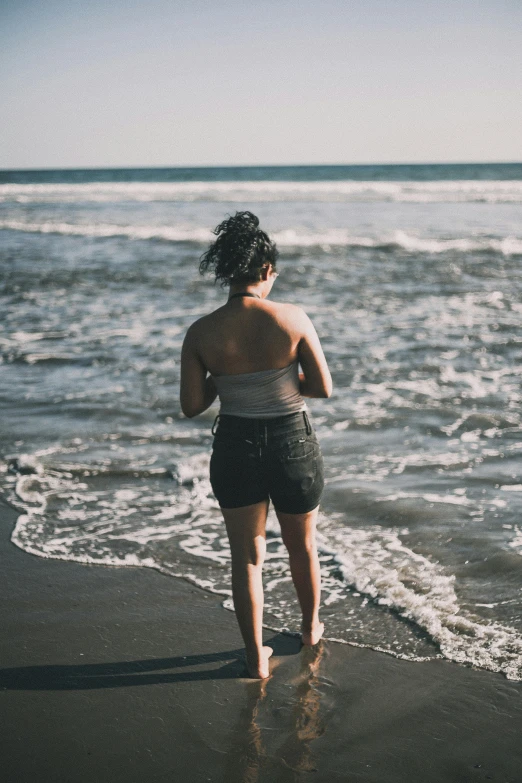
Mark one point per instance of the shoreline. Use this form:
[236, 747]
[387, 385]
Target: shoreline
[126, 674]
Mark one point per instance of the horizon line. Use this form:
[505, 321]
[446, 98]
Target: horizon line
[261, 165]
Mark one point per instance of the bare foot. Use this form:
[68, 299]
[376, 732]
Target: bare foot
[312, 637]
[258, 667]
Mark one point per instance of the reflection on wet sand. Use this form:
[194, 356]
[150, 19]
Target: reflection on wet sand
[296, 752]
[255, 749]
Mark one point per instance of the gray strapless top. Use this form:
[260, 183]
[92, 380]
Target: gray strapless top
[260, 395]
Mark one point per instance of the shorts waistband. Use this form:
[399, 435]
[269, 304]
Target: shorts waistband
[243, 425]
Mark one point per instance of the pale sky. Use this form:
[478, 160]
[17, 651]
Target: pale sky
[196, 82]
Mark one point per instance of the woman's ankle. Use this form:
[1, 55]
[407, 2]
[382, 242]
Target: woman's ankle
[310, 625]
[311, 636]
[254, 653]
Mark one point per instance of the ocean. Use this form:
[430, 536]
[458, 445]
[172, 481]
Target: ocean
[412, 275]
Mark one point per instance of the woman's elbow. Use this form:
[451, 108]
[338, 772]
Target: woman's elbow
[319, 389]
[321, 392]
[327, 387]
[189, 409]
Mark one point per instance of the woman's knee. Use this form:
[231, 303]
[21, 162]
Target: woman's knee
[300, 547]
[299, 540]
[248, 553]
[298, 533]
[246, 534]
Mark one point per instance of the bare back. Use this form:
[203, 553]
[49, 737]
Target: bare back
[248, 335]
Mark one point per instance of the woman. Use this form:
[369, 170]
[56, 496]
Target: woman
[248, 352]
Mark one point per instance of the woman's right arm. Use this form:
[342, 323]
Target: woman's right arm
[315, 380]
[197, 389]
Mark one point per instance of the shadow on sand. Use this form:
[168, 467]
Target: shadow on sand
[148, 671]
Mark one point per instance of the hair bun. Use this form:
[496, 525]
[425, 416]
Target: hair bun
[240, 223]
[240, 250]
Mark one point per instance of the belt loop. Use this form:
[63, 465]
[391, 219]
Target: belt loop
[307, 423]
[216, 420]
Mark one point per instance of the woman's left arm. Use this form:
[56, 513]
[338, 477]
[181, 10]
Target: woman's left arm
[197, 390]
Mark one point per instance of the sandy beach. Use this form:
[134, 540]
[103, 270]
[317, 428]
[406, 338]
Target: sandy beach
[123, 674]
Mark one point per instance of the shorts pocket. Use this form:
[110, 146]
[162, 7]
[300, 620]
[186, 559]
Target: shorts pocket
[297, 465]
[296, 474]
[231, 454]
[298, 449]
[234, 473]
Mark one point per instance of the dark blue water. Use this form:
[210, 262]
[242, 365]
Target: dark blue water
[381, 173]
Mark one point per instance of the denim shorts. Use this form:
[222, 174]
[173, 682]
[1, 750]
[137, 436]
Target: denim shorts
[260, 459]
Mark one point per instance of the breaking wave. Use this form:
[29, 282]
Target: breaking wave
[395, 240]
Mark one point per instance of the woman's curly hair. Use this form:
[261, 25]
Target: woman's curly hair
[240, 250]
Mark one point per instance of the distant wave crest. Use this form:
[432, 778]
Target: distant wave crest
[289, 238]
[488, 191]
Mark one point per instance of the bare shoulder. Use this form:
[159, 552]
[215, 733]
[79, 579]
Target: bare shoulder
[291, 315]
[204, 323]
[195, 330]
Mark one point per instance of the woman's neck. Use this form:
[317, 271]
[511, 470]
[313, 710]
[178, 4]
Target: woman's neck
[239, 291]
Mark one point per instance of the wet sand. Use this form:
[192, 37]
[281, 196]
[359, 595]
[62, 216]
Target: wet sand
[123, 674]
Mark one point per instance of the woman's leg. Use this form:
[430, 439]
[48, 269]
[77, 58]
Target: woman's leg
[298, 532]
[246, 534]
